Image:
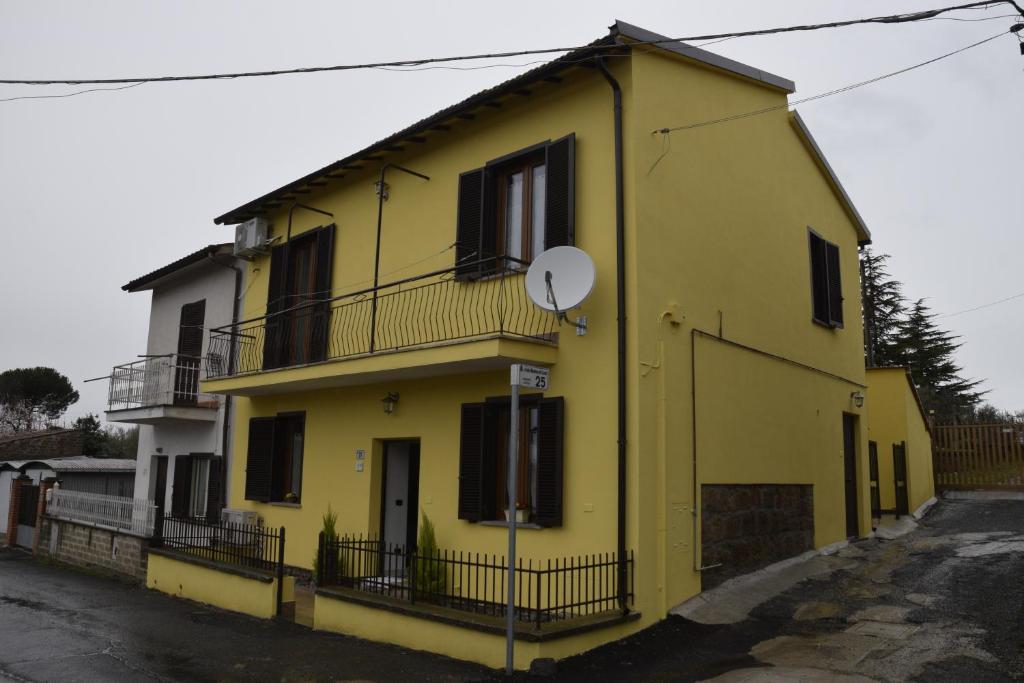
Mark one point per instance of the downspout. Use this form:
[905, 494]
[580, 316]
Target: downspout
[225, 427]
[620, 295]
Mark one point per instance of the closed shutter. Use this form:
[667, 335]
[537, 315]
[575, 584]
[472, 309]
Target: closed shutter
[474, 238]
[559, 196]
[835, 285]
[477, 462]
[274, 329]
[182, 486]
[321, 319]
[819, 279]
[190, 334]
[260, 459]
[213, 490]
[550, 457]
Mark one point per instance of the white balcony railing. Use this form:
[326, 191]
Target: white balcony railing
[171, 380]
[114, 512]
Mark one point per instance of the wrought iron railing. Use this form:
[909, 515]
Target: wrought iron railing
[476, 300]
[547, 591]
[167, 380]
[121, 514]
[242, 545]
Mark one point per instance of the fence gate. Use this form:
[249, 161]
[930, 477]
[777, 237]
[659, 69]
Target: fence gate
[979, 457]
[899, 474]
[28, 505]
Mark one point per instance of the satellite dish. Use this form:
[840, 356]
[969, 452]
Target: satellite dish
[560, 279]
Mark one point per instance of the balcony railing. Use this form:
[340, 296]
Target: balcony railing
[477, 300]
[171, 380]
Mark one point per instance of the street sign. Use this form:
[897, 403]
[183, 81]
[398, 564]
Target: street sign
[529, 376]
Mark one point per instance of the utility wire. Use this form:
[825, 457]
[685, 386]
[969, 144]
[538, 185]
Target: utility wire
[829, 93]
[978, 308]
[888, 19]
[69, 94]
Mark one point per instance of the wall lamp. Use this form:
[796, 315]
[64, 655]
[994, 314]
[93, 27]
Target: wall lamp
[858, 399]
[389, 402]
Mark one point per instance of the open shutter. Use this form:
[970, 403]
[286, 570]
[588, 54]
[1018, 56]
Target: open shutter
[321, 313]
[819, 279]
[213, 490]
[274, 329]
[550, 458]
[260, 459]
[474, 239]
[477, 466]
[190, 334]
[560, 194]
[835, 285]
[182, 486]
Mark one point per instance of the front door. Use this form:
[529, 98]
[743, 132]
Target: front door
[159, 492]
[876, 493]
[850, 474]
[28, 506]
[400, 499]
[899, 473]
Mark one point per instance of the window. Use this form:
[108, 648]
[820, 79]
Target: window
[516, 206]
[273, 471]
[826, 283]
[483, 460]
[197, 495]
[196, 490]
[190, 348]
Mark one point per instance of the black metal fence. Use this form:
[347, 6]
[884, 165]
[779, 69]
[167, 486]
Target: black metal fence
[546, 591]
[440, 306]
[240, 545]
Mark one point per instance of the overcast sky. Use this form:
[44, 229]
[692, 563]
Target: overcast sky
[100, 188]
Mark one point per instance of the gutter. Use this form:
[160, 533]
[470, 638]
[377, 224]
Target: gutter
[620, 304]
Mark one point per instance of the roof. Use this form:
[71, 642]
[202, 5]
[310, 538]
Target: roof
[620, 33]
[864, 236]
[149, 280]
[913, 390]
[81, 464]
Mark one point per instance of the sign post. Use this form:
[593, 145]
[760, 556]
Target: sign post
[531, 377]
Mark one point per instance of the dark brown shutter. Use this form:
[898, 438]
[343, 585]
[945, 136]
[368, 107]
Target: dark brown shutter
[819, 279]
[835, 285]
[274, 329]
[213, 490]
[260, 459]
[321, 313]
[550, 456]
[190, 334]
[477, 462]
[182, 486]
[469, 226]
[560, 194]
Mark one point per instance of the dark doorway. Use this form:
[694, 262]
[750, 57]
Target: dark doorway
[28, 506]
[850, 474]
[899, 474]
[876, 493]
[400, 499]
[159, 493]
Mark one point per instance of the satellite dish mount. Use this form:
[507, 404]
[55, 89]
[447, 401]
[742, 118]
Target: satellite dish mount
[561, 279]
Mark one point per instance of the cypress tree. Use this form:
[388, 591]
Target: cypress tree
[883, 307]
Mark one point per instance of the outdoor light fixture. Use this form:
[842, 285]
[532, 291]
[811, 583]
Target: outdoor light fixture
[390, 401]
[858, 399]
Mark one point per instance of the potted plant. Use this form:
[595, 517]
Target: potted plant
[522, 513]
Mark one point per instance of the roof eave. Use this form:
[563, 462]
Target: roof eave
[153, 279]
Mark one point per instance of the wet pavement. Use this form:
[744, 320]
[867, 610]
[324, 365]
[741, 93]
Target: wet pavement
[942, 603]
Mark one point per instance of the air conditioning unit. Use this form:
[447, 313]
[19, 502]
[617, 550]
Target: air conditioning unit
[251, 237]
[236, 527]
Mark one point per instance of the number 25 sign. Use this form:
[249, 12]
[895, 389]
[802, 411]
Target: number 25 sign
[530, 376]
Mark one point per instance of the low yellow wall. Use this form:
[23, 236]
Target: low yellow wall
[340, 616]
[218, 588]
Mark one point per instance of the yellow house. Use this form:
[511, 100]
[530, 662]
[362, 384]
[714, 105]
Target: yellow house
[899, 443]
[706, 422]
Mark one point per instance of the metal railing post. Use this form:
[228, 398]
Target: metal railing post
[280, 572]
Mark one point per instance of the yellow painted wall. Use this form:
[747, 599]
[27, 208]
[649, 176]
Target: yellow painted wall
[220, 589]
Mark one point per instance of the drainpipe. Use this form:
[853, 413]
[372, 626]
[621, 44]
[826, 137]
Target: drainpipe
[620, 287]
[382, 195]
[225, 430]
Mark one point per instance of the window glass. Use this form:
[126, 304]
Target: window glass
[539, 186]
[514, 215]
[296, 478]
[200, 477]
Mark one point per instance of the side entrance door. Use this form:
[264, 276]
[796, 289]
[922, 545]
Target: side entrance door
[28, 505]
[399, 502]
[160, 493]
[899, 474]
[876, 493]
[850, 474]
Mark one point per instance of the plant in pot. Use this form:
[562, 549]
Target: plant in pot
[430, 577]
[331, 559]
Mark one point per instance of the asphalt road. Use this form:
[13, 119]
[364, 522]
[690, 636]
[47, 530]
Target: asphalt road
[944, 603]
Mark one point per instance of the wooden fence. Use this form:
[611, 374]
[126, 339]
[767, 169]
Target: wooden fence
[978, 457]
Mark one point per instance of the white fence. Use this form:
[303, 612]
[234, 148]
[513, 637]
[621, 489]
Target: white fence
[114, 512]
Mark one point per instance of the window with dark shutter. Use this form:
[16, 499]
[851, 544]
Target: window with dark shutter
[273, 332]
[260, 459]
[826, 283]
[559, 196]
[182, 486]
[835, 285]
[469, 223]
[190, 348]
[476, 462]
[213, 490]
[548, 509]
[321, 313]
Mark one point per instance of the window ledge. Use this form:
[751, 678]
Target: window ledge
[282, 504]
[501, 522]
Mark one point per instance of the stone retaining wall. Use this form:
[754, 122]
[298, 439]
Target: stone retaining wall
[92, 547]
[748, 526]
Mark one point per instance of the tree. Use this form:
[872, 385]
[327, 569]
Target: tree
[106, 442]
[928, 351]
[884, 307]
[32, 397]
[94, 440]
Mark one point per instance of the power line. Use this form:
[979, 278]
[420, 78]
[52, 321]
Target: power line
[978, 308]
[829, 93]
[887, 19]
[69, 94]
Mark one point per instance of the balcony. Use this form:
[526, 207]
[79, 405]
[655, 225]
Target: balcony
[159, 390]
[470, 318]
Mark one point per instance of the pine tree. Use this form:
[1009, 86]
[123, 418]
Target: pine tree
[884, 307]
[928, 351]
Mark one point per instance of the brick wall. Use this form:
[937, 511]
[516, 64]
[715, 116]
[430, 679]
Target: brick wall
[748, 526]
[93, 548]
[47, 444]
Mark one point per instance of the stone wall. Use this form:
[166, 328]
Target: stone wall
[748, 526]
[91, 547]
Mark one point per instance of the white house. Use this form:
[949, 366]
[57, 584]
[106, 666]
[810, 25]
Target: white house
[183, 434]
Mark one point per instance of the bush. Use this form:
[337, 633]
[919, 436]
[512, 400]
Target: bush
[430, 578]
[330, 533]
